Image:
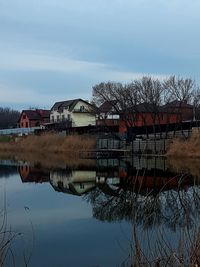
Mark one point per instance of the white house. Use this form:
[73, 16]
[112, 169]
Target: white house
[77, 111]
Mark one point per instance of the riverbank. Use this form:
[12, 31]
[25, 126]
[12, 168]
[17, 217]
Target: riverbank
[50, 143]
[189, 148]
[50, 149]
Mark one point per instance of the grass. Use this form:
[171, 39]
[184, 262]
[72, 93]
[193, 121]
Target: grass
[185, 148]
[50, 150]
[50, 143]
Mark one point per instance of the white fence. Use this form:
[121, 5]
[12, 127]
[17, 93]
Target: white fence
[19, 131]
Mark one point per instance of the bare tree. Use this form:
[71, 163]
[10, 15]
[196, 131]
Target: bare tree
[8, 118]
[122, 98]
[151, 96]
[196, 103]
[151, 102]
[179, 88]
[180, 98]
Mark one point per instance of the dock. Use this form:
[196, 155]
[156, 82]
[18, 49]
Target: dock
[104, 153]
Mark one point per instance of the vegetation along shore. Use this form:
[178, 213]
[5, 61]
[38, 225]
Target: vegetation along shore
[189, 148]
[51, 146]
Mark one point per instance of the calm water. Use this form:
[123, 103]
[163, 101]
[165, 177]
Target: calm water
[113, 213]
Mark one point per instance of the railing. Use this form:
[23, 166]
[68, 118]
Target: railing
[19, 131]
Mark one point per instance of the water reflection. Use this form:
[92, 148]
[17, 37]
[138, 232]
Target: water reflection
[160, 203]
[145, 190]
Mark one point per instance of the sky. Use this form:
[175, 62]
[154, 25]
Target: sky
[54, 50]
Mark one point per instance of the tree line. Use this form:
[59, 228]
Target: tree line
[147, 90]
[8, 118]
[148, 93]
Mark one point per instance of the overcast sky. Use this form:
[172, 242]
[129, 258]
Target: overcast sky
[53, 50]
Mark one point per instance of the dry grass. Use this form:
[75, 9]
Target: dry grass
[189, 148]
[187, 165]
[49, 150]
[50, 143]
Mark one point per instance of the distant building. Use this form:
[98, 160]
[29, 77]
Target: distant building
[146, 114]
[33, 118]
[107, 114]
[183, 110]
[75, 113]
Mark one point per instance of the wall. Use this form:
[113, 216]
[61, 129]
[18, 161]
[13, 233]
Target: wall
[146, 119]
[24, 121]
[79, 118]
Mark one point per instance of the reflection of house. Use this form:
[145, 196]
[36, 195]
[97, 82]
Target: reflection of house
[33, 118]
[77, 111]
[153, 180]
[77, 182]
[30, 174]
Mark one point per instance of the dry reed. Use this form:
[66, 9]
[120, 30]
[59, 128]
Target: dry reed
[50, 150]
[185, 148]
[50, 143]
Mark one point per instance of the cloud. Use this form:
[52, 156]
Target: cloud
[68, 46]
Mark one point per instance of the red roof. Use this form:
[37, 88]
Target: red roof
[37, 114]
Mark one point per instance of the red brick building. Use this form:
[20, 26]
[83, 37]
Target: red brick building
[33, 118]
[147, 115]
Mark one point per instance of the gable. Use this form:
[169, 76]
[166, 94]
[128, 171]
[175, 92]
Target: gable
[82, 106]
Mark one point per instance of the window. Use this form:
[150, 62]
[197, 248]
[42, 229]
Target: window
[26, 124]
[68, 117]
[63, 117]
[82, 186]
[24, 117]
[58, 118]
[82, 108]
[52, 118]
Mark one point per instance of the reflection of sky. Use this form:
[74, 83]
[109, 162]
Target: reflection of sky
[64, 230]
[53, 50]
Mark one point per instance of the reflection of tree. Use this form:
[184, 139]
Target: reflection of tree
[161, 213]
[173, 208]
[160, 251]
[110, 207]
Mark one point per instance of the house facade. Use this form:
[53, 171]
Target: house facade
[77, 111]
[146, 114]
[183, 110]
[33, 118]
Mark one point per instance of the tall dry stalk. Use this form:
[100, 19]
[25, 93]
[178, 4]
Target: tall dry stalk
[185, 148]
[50, 143]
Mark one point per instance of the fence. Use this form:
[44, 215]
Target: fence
[150, 146]
[107, 143]
[18, 131]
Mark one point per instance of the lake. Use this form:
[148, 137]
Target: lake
[111, 212]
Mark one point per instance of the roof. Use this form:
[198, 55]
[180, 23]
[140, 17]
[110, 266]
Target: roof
[107, 106]
[144, 108]
[178, 104]
[147, 107]
[44, 113]
[37, 114]
[68, 103]
[32, 114]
